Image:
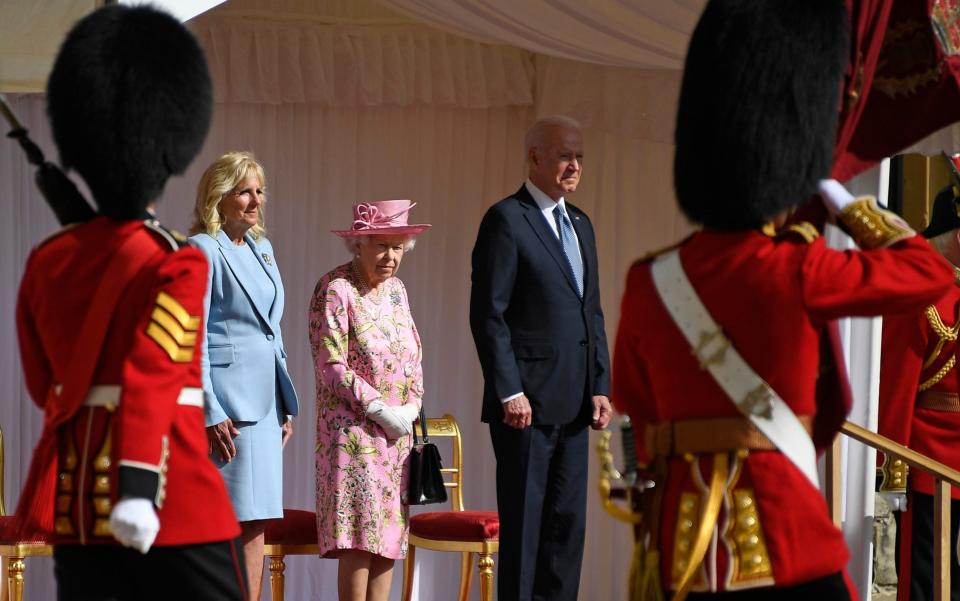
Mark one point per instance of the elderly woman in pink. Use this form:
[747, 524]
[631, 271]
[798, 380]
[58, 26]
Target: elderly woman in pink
[366, 353]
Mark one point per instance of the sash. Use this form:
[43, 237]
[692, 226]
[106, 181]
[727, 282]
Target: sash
[753, 397]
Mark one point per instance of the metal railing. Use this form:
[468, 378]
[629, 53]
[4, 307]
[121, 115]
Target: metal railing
[944, 477]
[615, 486]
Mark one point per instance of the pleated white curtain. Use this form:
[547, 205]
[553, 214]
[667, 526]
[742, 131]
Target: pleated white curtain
[644, 34]
[340, 114]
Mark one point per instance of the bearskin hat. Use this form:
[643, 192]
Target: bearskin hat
[945, 215]
[130, 101]
[758, 110]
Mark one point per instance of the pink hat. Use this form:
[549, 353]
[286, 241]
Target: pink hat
[382, 217]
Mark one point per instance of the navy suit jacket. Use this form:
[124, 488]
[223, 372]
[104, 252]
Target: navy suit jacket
[244, 362]
[532, 330]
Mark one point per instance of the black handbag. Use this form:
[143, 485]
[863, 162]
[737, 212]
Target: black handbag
[425, 483]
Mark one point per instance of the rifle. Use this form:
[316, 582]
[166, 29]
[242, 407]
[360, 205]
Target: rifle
[60, 193]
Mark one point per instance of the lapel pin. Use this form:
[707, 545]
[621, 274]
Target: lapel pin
[266, 259]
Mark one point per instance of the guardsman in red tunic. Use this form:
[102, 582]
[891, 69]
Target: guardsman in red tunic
[920, 408]
[109, 324]
[726, 354]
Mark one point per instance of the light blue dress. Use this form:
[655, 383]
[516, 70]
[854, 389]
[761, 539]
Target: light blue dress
[244, 367]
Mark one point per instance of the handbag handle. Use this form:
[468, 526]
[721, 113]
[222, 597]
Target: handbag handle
[423, 428]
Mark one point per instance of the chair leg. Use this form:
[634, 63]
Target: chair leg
[277, 566]
[408, 565]
[16, 568]
[486, 576]
[466, 575]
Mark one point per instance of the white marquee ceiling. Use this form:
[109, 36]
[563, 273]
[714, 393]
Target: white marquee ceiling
[645, 34]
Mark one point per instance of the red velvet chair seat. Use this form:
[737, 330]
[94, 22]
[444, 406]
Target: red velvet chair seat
[456, 525]
[8, 534]
[296, 527]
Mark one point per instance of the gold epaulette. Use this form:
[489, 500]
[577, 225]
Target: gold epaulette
[804, 229]
[894, 472]
[871, 226]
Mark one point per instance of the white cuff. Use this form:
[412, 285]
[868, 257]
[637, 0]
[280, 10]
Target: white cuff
[511, 397]
[835, 194]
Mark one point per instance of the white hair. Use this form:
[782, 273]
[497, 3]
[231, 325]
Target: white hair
[353, 242]
[537, 132]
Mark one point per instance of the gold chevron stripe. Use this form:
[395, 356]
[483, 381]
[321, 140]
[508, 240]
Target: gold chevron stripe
[167, 343]
[175, 309]
[168, 323]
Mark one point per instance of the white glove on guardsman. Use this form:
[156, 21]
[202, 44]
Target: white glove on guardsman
[393, 421]
[835, 197]
[134, 523]
[896, 500]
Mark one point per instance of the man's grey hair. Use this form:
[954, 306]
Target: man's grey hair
[537, 131]
[353, 243]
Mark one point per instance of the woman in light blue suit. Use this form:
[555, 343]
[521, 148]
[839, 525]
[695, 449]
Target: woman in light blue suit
[249, 396]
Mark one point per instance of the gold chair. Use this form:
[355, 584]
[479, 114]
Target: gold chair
[294, 534]
[464, 532]
[14, 551]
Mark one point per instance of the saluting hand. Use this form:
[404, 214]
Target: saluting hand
[602, 412]
[220, 437]
[517, 412]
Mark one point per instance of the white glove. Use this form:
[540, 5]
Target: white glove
[409, 412]
[134, 523]
[835, 196]
[896, 500]
[394, 424]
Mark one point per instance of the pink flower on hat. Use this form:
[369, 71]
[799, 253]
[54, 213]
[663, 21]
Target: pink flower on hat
[382, 217]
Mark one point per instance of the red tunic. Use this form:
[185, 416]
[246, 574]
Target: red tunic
[774, 298]
[910, 340]
[151, 352]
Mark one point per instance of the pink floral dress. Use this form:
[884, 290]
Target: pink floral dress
[365, 346]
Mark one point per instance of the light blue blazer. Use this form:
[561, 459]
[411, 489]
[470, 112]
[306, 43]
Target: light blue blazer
[244, 364]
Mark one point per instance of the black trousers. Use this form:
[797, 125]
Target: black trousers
[917, 536]
[829, 588]
[542, 500]
[207, 572]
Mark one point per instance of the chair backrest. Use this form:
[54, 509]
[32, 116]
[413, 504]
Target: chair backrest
[447, 427]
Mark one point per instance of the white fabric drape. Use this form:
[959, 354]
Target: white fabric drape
[642, 34]
[645, 35]
[288, 62]
[861, 344]
[30, 34]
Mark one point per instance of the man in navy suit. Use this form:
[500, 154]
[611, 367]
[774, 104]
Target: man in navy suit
[537, 323]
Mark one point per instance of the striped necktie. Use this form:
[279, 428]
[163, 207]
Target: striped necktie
[569, 244]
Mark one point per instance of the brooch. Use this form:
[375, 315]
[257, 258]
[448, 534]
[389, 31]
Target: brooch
[266, 259]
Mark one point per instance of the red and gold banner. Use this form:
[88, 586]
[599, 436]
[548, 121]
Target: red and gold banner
[902, 83]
